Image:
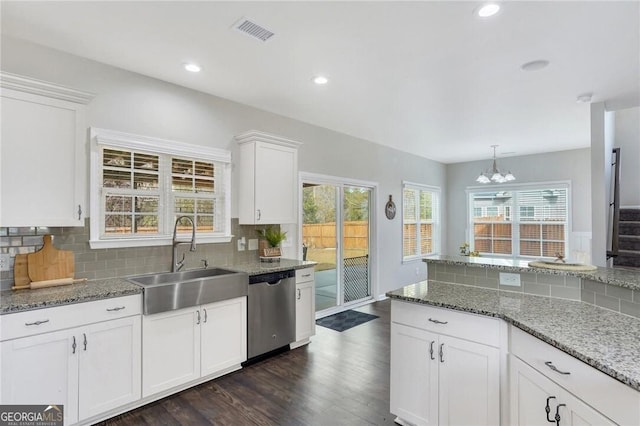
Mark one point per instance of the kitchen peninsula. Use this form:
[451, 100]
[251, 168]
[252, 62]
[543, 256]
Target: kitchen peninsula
[531, 341]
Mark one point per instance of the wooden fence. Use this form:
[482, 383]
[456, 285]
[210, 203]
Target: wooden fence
[323, 235]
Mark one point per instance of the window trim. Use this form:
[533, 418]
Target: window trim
[115, 139]
[515, 235]
[436, 220]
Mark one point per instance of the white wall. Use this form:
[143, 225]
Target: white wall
[573, 166]
[134, 103]
[627, 138]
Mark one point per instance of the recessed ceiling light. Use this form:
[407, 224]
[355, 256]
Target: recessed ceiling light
[535, 65]
[488, 10]
[584, 98]
[191, 67]
[320, 79]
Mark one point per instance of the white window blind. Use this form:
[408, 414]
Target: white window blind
[141, 186]
[539, 227]
[420, 230]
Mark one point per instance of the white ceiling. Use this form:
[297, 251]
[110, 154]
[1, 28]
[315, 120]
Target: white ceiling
[424, 77]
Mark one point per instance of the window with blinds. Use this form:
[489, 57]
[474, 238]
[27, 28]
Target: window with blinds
[537, 228]
[139, 194]
[419, 221]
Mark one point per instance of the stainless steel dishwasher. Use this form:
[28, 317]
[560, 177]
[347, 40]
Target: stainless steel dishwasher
[271, 312]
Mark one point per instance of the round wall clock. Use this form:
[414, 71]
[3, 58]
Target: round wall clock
[390, 208]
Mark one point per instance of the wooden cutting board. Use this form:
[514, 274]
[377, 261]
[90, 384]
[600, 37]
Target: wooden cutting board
[49, 263]
[21, 272]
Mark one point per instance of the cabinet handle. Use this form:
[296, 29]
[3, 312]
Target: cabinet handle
[259, 214]
[205, 315]
[557, 418]
[85, 341]
[438, 322]
[35, 322]
[548, 409]
[79, 211]
[198, 313]
[431, 349]
[441, 352]
[306, 275]
[74, 346]
[299, 294]
[554, 368]
[118, 308]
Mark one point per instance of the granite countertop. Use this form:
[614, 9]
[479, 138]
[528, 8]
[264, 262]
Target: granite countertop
[12, 301]
[606, 340]
[620, 277]
[257, 267]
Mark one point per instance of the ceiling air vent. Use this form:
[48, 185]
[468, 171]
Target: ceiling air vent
[252, 29]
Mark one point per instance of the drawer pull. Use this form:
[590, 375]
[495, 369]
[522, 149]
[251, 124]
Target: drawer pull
[35, 322]
[306, 275]
[74, 346]
[438, 322]
[441, 352]
[548, 409]
[198, 315]
[85, 341]
[299, 294]
[558, 413]
[431, 349]
[205, 315]
[554, 368]
[119, 308]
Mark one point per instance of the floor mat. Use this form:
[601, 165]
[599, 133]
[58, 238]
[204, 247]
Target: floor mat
[345, 320]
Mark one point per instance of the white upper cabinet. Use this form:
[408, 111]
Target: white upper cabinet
[43, 165]
[268, 178]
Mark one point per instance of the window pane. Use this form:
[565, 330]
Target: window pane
[117, 224]
[185, 205]
[426, 212]
[147, 224]
[203, 185]
[117, 203]
[205, 206]
[116, 178]
[184, 225]
[204, 169]
[116, 158]
[181, 166]
[409, 205]
[530, 248]
[145, 181]
[552, 249]
[426, 238]
[147, 204]
[205, 224]
[409, 240]
[145, 161]
[553, 232]
[502, 246]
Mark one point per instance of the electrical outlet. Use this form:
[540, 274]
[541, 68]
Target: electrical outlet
[253, 244]
[512, 280]
[5, 262]
[241, 244]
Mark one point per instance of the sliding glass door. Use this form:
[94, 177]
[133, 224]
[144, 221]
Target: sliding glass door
[336, 233]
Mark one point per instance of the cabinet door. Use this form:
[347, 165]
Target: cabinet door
[275, 183]
[469, 383]
[223, 335]
[40, 145]
[110, 365]
[42, 369]
[414, 375]
[529, 391]
[170, 349]
[305, 310]
[577, 413]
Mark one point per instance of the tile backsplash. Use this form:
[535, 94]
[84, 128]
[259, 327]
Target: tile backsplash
[120, 262]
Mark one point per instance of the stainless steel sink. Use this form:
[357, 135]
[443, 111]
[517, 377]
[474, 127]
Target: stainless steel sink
[168, 291]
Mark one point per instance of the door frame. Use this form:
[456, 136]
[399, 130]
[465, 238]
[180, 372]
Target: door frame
[373, 230]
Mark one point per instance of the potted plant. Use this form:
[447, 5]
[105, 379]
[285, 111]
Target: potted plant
[273, 237]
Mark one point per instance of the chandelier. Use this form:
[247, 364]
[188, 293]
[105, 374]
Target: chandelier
[493, 174]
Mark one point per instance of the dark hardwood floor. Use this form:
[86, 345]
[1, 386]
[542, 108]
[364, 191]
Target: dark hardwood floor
[339, 379]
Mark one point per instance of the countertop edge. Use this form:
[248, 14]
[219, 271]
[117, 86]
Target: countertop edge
[635, 384]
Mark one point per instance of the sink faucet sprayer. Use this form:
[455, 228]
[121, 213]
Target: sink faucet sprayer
[176, 266]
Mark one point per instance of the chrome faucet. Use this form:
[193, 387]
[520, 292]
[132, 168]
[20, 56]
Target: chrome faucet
[177, 265]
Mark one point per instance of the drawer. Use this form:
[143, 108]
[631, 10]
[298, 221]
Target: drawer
[304, 275]
[475, 328]
[612, 398]
[45, 320]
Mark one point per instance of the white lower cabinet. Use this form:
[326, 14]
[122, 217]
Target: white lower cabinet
[536, 400]
[438, 378]
[305, 306]
[184, 345]
[89, 369]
